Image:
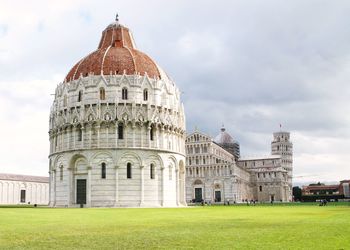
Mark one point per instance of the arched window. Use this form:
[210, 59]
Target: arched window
[124, 94]
[197, 182]
[102, 94]
[120, 131]
[56, 140]
[80, 134]
[151, 133]
[152, 171]
[103, 170]
[145, 95]
[260, 188]
[61, 173]
[128, 170]
[65, 100]
[80, 95]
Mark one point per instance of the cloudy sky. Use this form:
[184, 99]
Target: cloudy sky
[251, 65]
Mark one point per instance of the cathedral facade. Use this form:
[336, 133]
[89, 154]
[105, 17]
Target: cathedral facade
[215, 172]
[117, 130]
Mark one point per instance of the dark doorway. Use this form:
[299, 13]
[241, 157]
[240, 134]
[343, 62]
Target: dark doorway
[81, 191]
[272, 197]
[23, 196]
[198, 194]
[218, 196]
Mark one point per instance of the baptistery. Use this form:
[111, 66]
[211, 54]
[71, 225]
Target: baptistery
[117, 130]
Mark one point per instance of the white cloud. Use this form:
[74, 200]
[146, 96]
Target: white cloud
[250, 64]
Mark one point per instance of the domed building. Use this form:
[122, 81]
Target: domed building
[214, 173]
[226, 141]
[117, 130]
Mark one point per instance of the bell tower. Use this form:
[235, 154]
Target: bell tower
[281, 145]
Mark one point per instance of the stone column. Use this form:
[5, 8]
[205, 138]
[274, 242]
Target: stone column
[69, 131]
[98, 127]
[165, 139]
[54, 188]
[156, 137]
[90, 135]
[116, 186]
[74, 130]
[133, 134]
[177, 186]
[59, 139]
[88, 191]
[82, 137]
[223, 190]
[116, 134]
[50, 183]
[184, 188]
[142, 186]
[163, 185]
[107, 135]
[141, 133]
[178, 142]
[125, 135]
[149, 136]
[161, 137]
[69, 187]
[50, 145]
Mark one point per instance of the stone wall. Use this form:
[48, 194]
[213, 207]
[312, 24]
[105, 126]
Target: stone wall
[35, 193]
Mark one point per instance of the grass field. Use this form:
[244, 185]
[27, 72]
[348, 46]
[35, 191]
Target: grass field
[212, 227]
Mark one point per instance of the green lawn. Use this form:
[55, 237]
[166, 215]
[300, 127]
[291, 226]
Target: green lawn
[212, 227]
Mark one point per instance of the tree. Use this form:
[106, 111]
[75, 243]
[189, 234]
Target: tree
[297, 193]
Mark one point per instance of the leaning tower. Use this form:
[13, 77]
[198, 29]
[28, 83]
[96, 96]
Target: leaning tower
[281, 145]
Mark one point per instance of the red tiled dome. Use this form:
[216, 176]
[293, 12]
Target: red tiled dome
[116, 53]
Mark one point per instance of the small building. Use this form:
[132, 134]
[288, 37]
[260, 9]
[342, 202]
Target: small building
[319, 191]
[23, 189]
[345, 188]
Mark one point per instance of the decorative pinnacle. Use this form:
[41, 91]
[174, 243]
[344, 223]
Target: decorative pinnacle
[223, 127]
[117, 17]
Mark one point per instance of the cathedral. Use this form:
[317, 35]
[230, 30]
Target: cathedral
[117, 130]
[215, 172]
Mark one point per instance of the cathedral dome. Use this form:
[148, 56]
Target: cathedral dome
[224, 137]
[116, 54]
[226, 141]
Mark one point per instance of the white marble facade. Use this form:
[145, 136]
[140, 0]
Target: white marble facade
[85, 134]
[117, 140]
[23, 189]
[214, 174]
